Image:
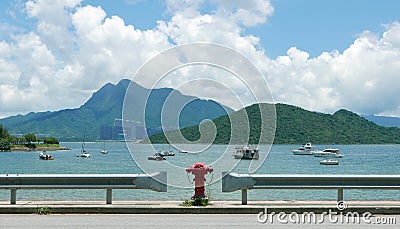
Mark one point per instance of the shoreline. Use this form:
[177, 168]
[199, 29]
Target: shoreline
[27, 149]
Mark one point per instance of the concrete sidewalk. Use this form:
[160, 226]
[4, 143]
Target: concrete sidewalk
[214, 207]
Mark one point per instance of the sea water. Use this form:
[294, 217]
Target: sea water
[358, 159]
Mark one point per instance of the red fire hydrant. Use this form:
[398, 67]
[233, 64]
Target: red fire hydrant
[199, 170]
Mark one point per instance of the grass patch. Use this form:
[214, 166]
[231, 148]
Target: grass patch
[43, 210]
[202, 202]
[47, 145]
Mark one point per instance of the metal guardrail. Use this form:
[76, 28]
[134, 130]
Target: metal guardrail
[234, 181]
[154, 181]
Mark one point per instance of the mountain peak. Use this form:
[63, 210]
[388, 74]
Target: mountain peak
[345, 112]
[294, 125]
[105, 105]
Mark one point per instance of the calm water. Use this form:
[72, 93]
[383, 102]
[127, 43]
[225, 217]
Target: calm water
[358, 159]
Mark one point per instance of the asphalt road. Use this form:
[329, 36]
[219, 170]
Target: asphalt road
[179, 221]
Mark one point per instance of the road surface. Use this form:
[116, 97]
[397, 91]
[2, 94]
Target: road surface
[176, 221]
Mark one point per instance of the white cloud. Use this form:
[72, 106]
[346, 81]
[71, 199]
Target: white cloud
[66, 59]
[110, 49]
[53, 23]
[364, 78]
[246, 12]
[189, 8]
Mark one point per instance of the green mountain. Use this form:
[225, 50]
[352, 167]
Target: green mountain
[105, 105]
[178, 110]
[383, 120]
[294, 125]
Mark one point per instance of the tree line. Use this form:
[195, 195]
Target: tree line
[30, 140]
[294, 125]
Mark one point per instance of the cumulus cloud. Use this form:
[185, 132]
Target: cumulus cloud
[363, 78]
[73, 52]
[246, 12]
[75, 49]
[109, 48]
[53, 22]
[189, 8]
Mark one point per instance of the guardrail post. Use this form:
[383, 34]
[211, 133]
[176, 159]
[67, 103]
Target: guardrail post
[13, 196]
[340, 194]
[109, 196]
[244, 196]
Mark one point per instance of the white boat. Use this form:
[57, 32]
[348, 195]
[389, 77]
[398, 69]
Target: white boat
[330, 152]
[104, 151]
[329, 162]
[306, 149]
[83, 151]
[45, 156]
[84, 155]
[166, 153]
[156, 157]
[246, 152]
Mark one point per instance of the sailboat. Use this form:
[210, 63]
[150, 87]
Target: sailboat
[104, 151]
[83, 151]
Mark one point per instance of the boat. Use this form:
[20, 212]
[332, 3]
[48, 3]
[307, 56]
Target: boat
[83, 151]
[166, 153]
[246, 152]
[330, 152]
[84, 155]
[45, 156]
[156, 157]
[329, 162]
[306, 149]
[104, 151]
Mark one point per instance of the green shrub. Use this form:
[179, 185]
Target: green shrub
[43, 211]
[196, 202]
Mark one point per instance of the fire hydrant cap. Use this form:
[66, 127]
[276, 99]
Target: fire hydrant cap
[199, 165]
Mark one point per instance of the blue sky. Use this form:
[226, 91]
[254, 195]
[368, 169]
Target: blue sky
[322, 26]
[320, 55]
[312, 25]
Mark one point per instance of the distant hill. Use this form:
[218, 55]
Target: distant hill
[103, 107]
[295, 125]
[383, 120]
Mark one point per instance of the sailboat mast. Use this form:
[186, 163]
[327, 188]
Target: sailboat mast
[83, 144]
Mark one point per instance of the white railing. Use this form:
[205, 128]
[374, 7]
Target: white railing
[154, 181]
[234, 181]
